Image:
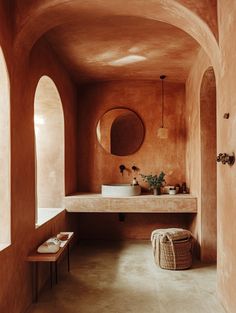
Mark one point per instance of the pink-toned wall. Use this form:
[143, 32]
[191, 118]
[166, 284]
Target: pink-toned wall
[15, 272]
[96, 166]
[226, 200]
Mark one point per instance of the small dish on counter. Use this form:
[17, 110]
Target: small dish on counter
[172, 191]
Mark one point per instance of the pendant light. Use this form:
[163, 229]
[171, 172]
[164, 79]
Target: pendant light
[162, 132]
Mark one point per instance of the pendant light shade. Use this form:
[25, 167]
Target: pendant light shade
[162, 132]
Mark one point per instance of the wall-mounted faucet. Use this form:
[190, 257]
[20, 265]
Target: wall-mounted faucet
[135, 168]
[226, 158]
[122, 168]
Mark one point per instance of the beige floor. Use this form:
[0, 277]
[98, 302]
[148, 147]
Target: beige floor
[122, 278]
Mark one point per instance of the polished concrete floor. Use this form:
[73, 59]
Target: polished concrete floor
[121, 277]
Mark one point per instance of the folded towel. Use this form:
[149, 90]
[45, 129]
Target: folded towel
[168, 234]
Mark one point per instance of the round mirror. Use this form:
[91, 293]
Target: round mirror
[120, 131]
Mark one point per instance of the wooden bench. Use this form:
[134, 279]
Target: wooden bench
[36, 257]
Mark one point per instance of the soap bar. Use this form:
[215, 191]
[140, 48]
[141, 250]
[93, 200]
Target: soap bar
[52, 245]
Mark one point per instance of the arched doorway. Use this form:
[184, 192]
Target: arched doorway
[208, 166]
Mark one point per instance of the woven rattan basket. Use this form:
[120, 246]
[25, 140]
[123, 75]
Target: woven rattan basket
[175, 255]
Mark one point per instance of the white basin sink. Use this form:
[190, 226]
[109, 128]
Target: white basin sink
[120, 190]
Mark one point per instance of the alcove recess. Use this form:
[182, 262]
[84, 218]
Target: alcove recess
[98, 166]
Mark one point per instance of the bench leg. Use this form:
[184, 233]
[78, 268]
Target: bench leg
[35, 281]
[51, 274]
[68, 257]
[56, 272]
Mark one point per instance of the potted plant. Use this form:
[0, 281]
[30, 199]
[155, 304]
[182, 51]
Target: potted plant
[155, 182]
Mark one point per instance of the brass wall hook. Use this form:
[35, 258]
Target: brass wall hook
[226, 158]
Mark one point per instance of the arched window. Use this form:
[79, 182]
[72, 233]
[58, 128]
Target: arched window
[49, 138]
[5, 213]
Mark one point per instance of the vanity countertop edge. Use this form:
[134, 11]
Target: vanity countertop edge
[144, 203]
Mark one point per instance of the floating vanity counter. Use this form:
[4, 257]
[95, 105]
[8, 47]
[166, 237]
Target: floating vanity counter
[90, 202]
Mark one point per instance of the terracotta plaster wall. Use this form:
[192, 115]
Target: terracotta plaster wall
[107, 226]
[15, 272]
[226, 203]
[201, 152]
[68, 96]
[208, 166]
[96, 166]
[207, 11]
[193, 142]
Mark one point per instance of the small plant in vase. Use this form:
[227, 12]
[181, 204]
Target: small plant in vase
[155, 182]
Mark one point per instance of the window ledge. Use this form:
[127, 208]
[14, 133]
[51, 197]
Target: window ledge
[4, 245]
[47, 214]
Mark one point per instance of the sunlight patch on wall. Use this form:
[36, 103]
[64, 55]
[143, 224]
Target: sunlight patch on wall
[128, 60]
[5, 208]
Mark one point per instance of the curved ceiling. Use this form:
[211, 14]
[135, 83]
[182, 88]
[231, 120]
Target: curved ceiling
[117, 47]
[104, 40]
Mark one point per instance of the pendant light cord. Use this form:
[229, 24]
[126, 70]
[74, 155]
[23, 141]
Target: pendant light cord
[162, 77]
[162, 104]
